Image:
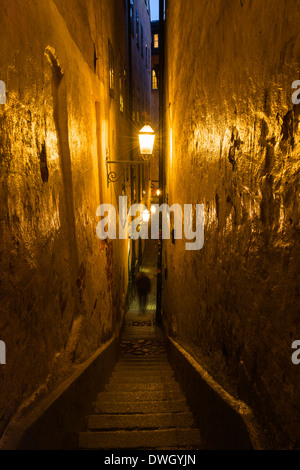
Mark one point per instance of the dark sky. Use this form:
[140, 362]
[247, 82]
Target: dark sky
[154, 10]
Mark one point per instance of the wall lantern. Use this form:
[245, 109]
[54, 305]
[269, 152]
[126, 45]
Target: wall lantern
[146, 216]
[147, 138]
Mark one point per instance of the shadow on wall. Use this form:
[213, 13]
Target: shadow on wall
[60, 115]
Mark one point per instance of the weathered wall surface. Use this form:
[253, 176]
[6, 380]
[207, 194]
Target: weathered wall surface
[141, 62]
[233, 145]
[60, 286]
[155, 106]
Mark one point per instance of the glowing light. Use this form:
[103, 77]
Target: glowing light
[147, 138]
[158, 192]
[146, 216]
[153, 209]
[171, 147]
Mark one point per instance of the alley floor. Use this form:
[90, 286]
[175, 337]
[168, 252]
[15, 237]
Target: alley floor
[141, 336]
[142, 407]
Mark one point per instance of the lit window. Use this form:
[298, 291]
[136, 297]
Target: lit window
[156, 41]
[111, 68]
[154, 80]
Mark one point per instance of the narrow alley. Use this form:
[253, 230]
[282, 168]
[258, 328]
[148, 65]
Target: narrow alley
[142, 407]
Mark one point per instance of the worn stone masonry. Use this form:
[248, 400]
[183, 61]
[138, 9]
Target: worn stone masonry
[233, 144]
[60, 287]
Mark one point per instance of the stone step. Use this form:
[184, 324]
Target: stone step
[142, 365]
[144, 373]
[142, 387]
[160, 357]
[140, 421]
[126, 379]
[142, 407]
[151, 367]
[140, 439]
[139, 396]
[144, 359]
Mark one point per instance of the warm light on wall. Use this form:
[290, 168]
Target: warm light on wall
[147, 138]
[171, 147]
[153, 209]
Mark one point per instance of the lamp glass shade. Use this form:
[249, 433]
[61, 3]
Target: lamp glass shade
[147, 138]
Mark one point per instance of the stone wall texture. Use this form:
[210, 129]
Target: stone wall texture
[232, 143]
[155, 126]
[60, 287]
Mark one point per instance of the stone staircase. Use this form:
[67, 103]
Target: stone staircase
[142, 407]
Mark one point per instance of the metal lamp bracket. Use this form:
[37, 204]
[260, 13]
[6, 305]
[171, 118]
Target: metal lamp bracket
[115, 170]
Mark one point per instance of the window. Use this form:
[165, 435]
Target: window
[137, 29]
[154, 79]
[156, 41]
[131, 17]
[142, 40]
[111, 69]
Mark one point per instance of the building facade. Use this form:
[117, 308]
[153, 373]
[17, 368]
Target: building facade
[155, 102]
[141, 60]
[140, 99]
[233, 145]
[66, 69]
